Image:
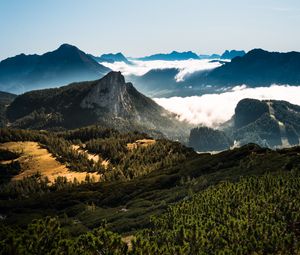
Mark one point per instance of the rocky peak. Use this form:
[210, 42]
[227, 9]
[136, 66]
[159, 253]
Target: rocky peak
[113, 78]
[110, 93]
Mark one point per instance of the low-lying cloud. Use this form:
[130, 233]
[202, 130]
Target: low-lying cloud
[185, 67]
[213, 109]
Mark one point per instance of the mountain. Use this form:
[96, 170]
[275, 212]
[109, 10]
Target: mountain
[111, 58]
[232, 54]
[156, 82]
[5, 100]
[212, 56]
[109, 101]
[226, 55]
[204, 139]
[174, 55]
[268, 123]
[256, 68]
[162, 83]
[63, 65]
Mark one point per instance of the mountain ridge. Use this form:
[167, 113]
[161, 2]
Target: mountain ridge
[257, 68]
[112, 58]
[64, 65]
[172, 56]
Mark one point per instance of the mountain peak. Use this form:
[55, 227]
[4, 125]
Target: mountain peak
[64, 65]
[114, 78]
[230, 54]
[67, 46]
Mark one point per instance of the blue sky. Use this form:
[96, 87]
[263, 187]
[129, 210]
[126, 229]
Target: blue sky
[139, 28]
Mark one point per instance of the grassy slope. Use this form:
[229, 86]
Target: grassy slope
[35, 159]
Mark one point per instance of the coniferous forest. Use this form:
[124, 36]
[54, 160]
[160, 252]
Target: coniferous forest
[162, 198]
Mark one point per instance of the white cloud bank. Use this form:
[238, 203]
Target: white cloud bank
[213, 109]
[185, 67]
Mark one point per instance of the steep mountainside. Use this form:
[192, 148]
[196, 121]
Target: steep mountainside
[63, 65]
[109, 101]
[268, 122]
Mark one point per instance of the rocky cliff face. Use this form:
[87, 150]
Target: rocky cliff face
[111, 93]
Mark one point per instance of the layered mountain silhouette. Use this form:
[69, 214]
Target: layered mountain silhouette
[256, 68]
[268, 123]
[63, 65]
[156, 82]
[111, 58]
[228, 54]
[174, 55]
[212, 56]
[232, 54]
[109, 102]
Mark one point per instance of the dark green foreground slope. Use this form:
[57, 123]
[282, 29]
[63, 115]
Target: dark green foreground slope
[214, 209]
[257, 215]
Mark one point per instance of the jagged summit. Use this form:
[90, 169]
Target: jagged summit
[114, 77]
[111, 58]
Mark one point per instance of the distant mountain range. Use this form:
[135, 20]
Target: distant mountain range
[228, 54]
[268, 123]
[63, 65]
[111, 58]
[174, 55]
[256, 68]
[186, 55]
[232, 54]
[109, 102]
[69, 64]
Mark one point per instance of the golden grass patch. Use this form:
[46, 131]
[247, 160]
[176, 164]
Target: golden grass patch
[35, 159]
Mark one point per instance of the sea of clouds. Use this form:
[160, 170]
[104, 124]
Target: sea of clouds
[213, 109]
[185, 67]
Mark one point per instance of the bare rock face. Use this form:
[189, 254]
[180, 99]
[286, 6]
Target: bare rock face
[111, 93]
